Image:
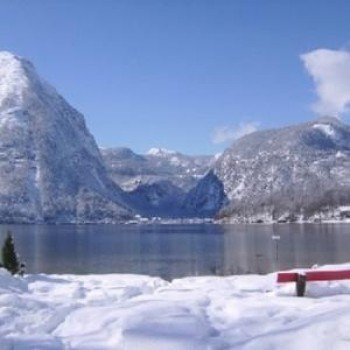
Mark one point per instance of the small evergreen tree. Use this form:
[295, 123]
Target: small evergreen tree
[10, 259]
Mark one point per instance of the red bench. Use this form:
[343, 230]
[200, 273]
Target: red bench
[301, 278]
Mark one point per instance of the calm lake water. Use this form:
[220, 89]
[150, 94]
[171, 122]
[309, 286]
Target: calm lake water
[172, 251]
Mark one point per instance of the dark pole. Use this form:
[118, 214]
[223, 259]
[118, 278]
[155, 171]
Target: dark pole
[301, 285]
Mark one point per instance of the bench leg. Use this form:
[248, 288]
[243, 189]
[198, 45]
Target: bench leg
[301, 285]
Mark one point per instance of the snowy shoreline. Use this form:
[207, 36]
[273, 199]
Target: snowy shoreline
[141, 312]
[231, 222]
[188, 221]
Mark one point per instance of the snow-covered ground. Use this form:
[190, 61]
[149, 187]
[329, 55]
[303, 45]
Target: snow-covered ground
[140, 312]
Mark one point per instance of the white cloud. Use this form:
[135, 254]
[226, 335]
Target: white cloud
[223, 134]
[330, 70]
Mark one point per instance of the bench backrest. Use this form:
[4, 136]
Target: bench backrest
[284, 277]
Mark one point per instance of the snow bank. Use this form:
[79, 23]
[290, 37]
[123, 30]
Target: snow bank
[140, 312]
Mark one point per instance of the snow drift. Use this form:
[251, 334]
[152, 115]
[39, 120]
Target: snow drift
[140, 312]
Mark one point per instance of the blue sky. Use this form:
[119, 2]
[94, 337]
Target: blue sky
[172, 73]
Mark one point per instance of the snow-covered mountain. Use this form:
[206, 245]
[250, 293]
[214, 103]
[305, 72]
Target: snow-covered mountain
[50, 167]
[52, 171]
[130, 170]
[160, 152]
[296, 172]
[158, 181]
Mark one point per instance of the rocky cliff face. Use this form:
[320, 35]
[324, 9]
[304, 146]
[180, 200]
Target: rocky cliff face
[286, 174]
[207, 198]
[50, 167]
